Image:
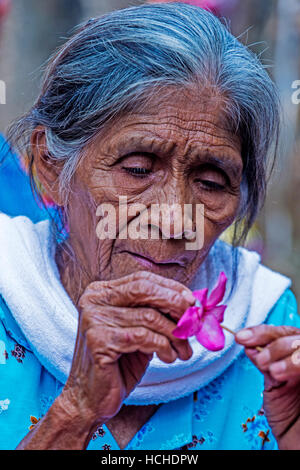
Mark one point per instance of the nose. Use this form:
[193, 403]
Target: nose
[172, 216]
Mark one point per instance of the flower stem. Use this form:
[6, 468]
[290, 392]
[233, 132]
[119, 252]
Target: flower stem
[227, 329]
[258, 348]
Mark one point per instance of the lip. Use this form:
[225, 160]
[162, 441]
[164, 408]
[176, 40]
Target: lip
[150, 262]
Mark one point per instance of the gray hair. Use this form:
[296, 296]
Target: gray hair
[112, 62]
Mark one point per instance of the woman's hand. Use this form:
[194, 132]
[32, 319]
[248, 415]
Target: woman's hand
[279, 361]
[121, 325]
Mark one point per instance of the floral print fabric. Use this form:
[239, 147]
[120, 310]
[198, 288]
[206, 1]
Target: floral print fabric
[225, 414]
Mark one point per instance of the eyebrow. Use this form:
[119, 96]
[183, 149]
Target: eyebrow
[148, 144]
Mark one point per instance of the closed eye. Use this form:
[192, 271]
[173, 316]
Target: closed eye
[137, 171]
[211, 185]
[211, 178]
[138, 164]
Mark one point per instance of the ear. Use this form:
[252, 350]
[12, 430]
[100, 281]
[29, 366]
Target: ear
[47, 169]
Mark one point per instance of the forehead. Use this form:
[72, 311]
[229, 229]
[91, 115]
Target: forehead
[174, 118]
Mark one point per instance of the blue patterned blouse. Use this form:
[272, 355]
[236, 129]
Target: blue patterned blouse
[226, 414]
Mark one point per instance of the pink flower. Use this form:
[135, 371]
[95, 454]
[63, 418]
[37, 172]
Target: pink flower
[204, 321]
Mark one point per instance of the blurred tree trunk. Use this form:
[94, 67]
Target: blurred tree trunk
[34, 30]
[282, 209]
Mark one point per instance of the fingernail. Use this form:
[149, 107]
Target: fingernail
[244, 335]
[189, 296]
[278, 367]
[189, 351]
[263, 357]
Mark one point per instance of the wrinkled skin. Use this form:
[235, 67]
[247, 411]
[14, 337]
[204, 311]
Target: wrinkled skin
[279, 361]
[128, 304]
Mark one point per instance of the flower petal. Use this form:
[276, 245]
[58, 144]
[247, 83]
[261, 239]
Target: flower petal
[218, 292]
[218, 312]
[189, 323]
[211, 335]
[201, 295]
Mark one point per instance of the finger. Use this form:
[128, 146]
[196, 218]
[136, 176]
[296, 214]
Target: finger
[141, 293]
[136, 364]
[153, 278]
[153, 320]
[81, 360]
[149, 318]
[280, 371]
[262, 335]
[286, 369]
[108, 344]
[276, 350]
[270, 382]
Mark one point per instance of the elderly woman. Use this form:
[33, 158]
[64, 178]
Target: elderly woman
[159, 104]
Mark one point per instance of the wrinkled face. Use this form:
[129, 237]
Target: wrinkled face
[175, 150]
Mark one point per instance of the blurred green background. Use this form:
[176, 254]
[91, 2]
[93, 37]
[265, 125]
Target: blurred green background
[34, 28]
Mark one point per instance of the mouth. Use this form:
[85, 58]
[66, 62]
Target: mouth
[149, 262]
